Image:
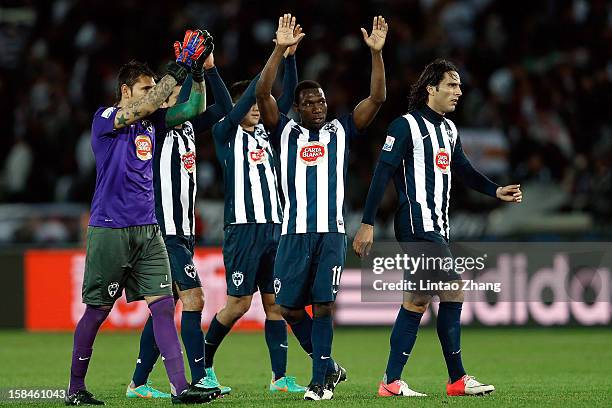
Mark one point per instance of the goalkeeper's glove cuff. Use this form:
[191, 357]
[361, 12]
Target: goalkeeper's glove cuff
[177, 71]
[197, 73]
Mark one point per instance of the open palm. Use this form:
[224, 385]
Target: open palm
[376, 40]
[285, 32]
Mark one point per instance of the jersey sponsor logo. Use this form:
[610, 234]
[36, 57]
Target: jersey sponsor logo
[190, 270]
[144, 148]
[277, 286]
[189, 161]
[442, 161]
[388, 146]
[237, 278]
[258, 156]
[312, 153]
[113, 288]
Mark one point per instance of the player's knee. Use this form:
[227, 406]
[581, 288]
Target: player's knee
[323, 309]
[417, 304]
[192, 299]
[237, 307]
[292, 316]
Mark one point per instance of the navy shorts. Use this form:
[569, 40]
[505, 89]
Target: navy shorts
[430, 245]
[249, 251]
[308, 268]
[180, 252]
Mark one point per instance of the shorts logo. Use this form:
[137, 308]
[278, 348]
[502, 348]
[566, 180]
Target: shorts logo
[388, 146]
[277, 286]
[442, 161]
[189, 161]
[190, 270]
[144, 148]
[237, 278]
[312, 153]
[258, 156]
[113, 288]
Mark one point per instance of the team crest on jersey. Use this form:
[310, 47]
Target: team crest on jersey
[277, 286]
[258, 156]
[113, 288]
[190, 270]
[147, 125]
[144, 148]
[330, 127]
[442, 161]
[237, 278]
[388, 146]
[312, 153]
[189, 161]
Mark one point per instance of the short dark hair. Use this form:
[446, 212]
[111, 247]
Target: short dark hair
[129, 74]
[302, 86]
[238, 88]
[432, 75]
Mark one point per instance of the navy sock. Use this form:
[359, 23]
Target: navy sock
[403, 337]
[449, 333]
[215, 335]
[147, 355]
[276, 339]
[193, 339]
[322, 335]
[303, 332]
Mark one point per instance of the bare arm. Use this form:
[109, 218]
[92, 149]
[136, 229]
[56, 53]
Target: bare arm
[366, 110]
[188, 110]
[263, 92]
[146, 105]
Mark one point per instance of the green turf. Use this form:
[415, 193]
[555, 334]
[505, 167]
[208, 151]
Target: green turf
[529, 367]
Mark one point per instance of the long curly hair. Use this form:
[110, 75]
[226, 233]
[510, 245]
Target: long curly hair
[431, 75]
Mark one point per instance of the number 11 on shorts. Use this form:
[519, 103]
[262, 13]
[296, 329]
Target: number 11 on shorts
[336, 272]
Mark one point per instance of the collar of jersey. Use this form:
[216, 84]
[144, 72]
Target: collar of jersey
[431, 115]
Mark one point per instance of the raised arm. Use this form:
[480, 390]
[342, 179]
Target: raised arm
[366, 110]
[240, 109]
[290, 76]
[265, 101]
[182, 112]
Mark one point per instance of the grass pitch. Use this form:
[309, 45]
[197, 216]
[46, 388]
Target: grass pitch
[529, 367]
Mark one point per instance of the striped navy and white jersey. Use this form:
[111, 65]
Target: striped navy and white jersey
[313, 166]
[174, 175]
[423, 146]
[249, 173]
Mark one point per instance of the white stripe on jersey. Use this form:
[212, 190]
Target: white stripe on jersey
[323, 186]
[272, 189]
[284, 139]
[340, 150]
[419, 172]
[256, 190]
[239, 205]
[165, 175]
[184, 189]
[439, 182]
[300, 187]
[449, 148]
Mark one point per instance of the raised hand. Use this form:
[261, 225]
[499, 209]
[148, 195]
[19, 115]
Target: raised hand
[511, 193]
[284, 33]
[376, 40]
[296, 33]
[191, 49]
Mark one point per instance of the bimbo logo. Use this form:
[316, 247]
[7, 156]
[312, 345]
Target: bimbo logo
[258, 156]
[312, 153]
[189, 161]
[144, 147]
[442, 160]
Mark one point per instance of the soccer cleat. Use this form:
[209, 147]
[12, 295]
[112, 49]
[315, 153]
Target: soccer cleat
[333, 379]
[315, 392]
[397, 388]
[210, 381]
[467, 385]
[286, 384]
[144, 391]
[82, 397]
[196, 395]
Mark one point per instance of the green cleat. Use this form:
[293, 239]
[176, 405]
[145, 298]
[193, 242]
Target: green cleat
[144, 391]
[210, 381]
[286, 384]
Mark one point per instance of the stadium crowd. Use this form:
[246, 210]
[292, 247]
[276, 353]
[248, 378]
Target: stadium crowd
[540, 72]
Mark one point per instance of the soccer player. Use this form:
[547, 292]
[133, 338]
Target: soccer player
[174, 180]
[313, 162]
[124, 247]
[421, 149]
[252, 225]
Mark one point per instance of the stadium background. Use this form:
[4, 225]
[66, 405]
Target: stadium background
[537, 90]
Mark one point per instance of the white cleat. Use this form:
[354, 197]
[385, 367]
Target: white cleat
[467, 385]
[397, 388]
